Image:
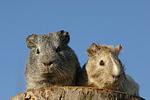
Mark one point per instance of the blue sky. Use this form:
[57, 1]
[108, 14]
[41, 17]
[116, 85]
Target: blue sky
[109, 22]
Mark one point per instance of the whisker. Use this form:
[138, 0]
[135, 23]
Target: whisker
[62, 71]
[65, 68]
[58, 71]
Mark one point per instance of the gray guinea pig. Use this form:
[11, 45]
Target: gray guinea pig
[51, 62]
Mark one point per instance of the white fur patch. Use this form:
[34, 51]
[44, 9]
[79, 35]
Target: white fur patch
[115, 66]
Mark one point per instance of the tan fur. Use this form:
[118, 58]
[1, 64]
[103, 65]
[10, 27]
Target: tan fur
[104, 70]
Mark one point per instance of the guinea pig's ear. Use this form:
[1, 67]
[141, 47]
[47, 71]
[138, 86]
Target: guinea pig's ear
[118, 49]
[64, 36]
[32, 41]
[92, 50]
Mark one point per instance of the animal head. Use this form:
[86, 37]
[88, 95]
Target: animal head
[104, 67]
[49, 55]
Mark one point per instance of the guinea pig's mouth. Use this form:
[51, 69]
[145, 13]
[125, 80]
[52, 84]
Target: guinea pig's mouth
[112, 85]
[47, 71]
[48, 75]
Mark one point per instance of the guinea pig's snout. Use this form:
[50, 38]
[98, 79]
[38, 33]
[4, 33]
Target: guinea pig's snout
[48, 63]
[116, 77]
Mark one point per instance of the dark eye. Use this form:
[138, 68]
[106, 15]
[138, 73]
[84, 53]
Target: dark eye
[58, 49]
[101, 63]
[37, 51]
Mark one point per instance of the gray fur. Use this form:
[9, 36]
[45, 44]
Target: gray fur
[51, 62]
[106, 76]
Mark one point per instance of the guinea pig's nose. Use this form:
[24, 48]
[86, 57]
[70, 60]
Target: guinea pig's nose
[48, 63]
[116, 76]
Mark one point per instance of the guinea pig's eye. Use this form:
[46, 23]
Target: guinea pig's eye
[101, 63]
[58, 49]
[37, 51]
